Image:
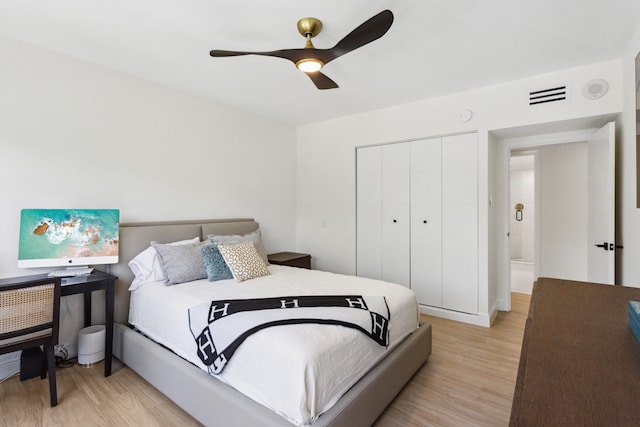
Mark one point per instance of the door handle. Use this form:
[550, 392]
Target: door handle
[609, 246]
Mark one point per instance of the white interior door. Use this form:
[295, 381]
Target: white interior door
[601, 206]
[426, 221]
[395, 213]
[460, 223]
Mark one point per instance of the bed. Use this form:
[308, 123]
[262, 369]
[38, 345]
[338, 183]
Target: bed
[210, 400]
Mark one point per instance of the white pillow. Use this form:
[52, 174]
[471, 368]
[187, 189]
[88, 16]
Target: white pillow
[146, 265]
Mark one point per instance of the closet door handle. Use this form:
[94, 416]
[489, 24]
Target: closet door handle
[424, 221]
[395, 220]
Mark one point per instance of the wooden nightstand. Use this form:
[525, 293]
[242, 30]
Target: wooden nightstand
[290, 259]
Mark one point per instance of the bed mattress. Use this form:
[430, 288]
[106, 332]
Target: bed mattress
[298, 371]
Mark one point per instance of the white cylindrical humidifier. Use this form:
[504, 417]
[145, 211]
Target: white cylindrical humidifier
[91, 345]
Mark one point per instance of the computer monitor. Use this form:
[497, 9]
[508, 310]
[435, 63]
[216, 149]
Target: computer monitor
[68, 237]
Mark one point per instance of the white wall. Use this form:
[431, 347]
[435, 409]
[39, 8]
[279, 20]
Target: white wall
[326, 157]
[628, 215]
[75, 135]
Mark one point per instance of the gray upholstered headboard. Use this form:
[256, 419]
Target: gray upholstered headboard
[136, 237]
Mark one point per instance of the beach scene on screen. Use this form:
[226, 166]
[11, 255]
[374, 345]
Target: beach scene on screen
[64, 233]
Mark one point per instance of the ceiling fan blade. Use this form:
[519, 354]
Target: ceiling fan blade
[293, 55]
[321, 81]
[370, 30]
[225, 53]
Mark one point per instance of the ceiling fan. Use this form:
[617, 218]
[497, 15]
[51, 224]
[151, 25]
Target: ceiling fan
[311, 60]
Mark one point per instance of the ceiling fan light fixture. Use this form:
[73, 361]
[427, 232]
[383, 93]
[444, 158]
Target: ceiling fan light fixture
[309, 65]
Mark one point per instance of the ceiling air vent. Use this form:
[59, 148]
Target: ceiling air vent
[558, 93]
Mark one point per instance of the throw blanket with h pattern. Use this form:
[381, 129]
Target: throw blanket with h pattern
[220, 327]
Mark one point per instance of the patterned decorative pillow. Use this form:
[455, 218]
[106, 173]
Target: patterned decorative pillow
[254, 236]
[180, 263]
[243, 261]
[214, 264]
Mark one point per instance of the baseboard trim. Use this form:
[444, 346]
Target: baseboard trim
[480, 319]
[9, 365]
[493, 313]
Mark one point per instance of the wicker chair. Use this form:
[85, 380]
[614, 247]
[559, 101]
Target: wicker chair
[29, 317]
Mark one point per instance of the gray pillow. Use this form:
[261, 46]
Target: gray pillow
[214, 263]
[181, 263]
[254, 236]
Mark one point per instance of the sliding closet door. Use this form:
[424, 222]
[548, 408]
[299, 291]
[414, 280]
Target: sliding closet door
[396, 213]
[426, 221]
[369, 212]
[460, 223]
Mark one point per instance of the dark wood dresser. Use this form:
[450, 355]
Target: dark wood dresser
[580, 362]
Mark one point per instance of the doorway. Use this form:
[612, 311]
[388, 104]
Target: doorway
[548, 233]
[562, 211]
[523, 219]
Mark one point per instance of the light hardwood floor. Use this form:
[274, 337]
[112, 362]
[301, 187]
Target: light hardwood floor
[468, 381]
[470, 376]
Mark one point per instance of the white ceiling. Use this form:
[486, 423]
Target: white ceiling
[434, 47]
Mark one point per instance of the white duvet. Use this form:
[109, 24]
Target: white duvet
[298, 371]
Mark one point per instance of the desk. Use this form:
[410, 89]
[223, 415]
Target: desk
[97, 280]
[85, 285]
[580, 362]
